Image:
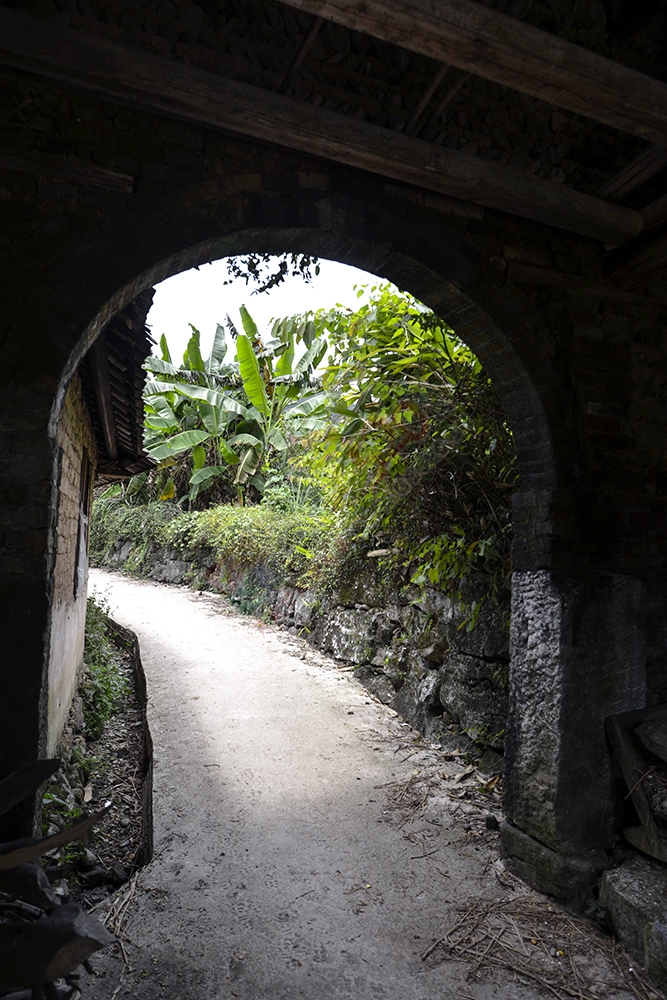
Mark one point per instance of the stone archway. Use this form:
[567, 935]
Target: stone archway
[426, 255]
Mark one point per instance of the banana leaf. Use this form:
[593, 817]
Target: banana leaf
[249, 324]
[277, 439]
[248, 465]
[253, 382]
[169, 491]
[245, 438]
[164, 347]
[198, 457]
[218, 351]
[152, 364]
[177, 444]
[192, 358]
[214, 418]
[203, 475]
[286, 360]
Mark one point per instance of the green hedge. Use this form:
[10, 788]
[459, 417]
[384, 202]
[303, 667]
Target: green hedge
[295, 543]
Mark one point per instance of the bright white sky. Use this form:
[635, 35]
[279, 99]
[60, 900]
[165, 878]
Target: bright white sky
[201, 298]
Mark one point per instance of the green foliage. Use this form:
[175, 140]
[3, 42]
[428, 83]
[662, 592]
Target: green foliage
[402, 436]
[103, 686]
[423, 455]
[244, 538]
[217, 417]
[113, 519]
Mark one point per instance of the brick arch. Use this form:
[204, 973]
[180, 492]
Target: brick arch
[392, 239]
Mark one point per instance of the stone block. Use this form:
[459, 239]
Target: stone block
[569, 877]
[473, 691]
[306, 606]
[376, 682]
[347, 634]
[635, 898]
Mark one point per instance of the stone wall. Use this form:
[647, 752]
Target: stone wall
[68, 615]
[414, 650]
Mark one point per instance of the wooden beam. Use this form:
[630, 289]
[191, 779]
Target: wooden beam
[639, 264]
[655, 214]
[99, 366]
[649, 163]
[71, 171]
[497, 47]
[120, 74]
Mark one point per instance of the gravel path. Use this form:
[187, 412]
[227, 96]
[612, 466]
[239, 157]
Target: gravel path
[283, 868]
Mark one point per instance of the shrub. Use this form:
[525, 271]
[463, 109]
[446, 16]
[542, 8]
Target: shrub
[103, 687]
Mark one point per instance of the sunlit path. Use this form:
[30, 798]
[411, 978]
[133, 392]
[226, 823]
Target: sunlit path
[276, 872]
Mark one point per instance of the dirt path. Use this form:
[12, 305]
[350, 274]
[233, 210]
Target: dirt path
[281, 867]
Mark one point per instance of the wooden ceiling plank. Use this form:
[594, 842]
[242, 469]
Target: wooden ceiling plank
[424, 99]
[303, 51]
[639, 265]
[72, 172]
[655, 214]
[117, 73]
[649, 163]
[448, 97]
[498, 47]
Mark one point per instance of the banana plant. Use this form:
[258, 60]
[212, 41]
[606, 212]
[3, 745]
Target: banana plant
[221, 416]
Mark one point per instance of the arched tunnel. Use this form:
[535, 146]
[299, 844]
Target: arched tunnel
[112, 182]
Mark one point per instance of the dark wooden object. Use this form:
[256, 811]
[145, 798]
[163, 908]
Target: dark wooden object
[649, 163]
[636, 761]
[304, 49]
[482, 41]
[641, 262]
[50, 947]
[72, 172]
[119, 74]
[655, 214]
[25, 780]
[418, 110]
[19, 852]
[30, 884]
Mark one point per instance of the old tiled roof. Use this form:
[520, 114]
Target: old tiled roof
[112, 378]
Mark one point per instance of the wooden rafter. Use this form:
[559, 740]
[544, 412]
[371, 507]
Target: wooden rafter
[497, 47]
[430, 90]
[73, 172]
[448, 96]
[649, 163]
[655, 214]
[303, 51]
[99, 366]
[119, 74]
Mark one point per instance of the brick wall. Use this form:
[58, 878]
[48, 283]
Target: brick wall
[68, 615]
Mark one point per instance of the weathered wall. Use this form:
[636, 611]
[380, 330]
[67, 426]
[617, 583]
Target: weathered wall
[75, 446]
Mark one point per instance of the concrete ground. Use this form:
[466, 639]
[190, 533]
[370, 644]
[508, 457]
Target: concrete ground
[281, 869]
